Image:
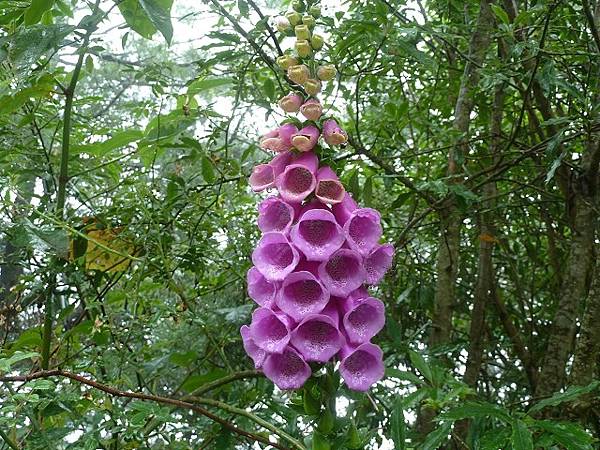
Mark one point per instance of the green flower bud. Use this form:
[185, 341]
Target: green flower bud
[298, 73]
[302, 32]
[317, 42]
[326, 73]
[298, 6]
[294, 18]
[312, 87]
[303, 48]
[286, 61]
[309, 21]
[315, 11]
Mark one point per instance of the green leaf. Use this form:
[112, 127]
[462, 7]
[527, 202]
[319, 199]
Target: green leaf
[312, 406]
[319, 442]
[118, 140]
[159, 12]
[368, 192]
[420, 364]
[570, 394]
[7, 363]
[269, 88]
[206, 84]
[145, 17]
[208, 172]
[398, 426]
[243, 7]
[45, 238]
[403, 375]
[89, 63]
[437, 437]
[500, 13]
[472, 410]
[521, 436]
[36, 10]
[568, 435]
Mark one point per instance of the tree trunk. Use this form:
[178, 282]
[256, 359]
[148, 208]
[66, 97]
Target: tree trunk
[579, 264]
[587, 349]
[449, 213]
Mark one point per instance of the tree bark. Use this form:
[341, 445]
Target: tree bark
[449, 213]
[574, 286]
[450, 216]
[587, 349]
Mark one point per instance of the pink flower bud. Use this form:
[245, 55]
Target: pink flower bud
[312, 87]
[279, 140]
[326, 73]
[312, 109]
[298, 73]
[333, 134]
[306, 139]
[291, 103]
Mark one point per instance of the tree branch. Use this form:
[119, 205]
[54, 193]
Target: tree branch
[141, 396]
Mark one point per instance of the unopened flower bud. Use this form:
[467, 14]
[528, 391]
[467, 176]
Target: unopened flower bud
[309, 21]
[326, 73]
[312, 109]
[303, 48]
[294, 18]
[315, 11]
[302, 32]
[298, 6]
[317, 42]
[282, 24]
[312, 87]
[298, 73]
[291, 102]
[286, 61]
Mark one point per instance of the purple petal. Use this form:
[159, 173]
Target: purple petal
[262, 177]
[257, 354]
[274, 256]
[364, 320]
[302, 294]
[362, 367]
[343, 272]
[363, 230]
[295, 183]
[329, 189]
[317, 338]
[342, 211]
[260, 289]
[287, 370]
[308, 266]
[317, 234]
[275, 215]
[269, 331]
[378, 262]
[280, 162]
[286, 132]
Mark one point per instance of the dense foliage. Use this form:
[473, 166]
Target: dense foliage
[128, 130]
